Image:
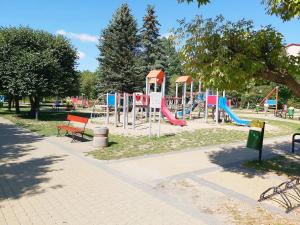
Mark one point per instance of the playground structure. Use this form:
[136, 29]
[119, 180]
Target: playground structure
[133, 109]
[267, 103]
[220, 106]
[184, 80]
[131, 104]
[182, 107]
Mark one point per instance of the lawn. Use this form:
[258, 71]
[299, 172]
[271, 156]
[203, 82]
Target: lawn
[122, 147]
[288, 164]
[45, 126]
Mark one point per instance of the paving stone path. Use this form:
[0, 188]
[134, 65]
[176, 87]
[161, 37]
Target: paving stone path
[52, 181]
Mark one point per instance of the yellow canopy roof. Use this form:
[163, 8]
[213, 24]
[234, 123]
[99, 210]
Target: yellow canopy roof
[156, 75]
[184, 79]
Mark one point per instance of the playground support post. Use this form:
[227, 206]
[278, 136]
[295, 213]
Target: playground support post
[150, 122]
[206, 104]
[223, 117]
[276, 107]
[217, 107]
[176, 98]
[155, 90]
[191, 100]
[200, 86]
[127, 109]
[183, 100]
[164, 87]
[124, 110]
[147, 93]
[107, 109]
[159, 119]
[133, 110]
[116, 109]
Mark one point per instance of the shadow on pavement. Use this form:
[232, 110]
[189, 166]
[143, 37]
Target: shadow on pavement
[21, 176]
[233, 159]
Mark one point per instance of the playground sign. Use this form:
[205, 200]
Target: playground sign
[155, 100]
[256, 136]
[155, 103]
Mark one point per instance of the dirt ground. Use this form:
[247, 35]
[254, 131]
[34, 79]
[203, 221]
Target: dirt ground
[142, 127]
[231, 210]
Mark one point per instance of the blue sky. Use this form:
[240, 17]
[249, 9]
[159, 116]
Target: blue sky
[83, 20]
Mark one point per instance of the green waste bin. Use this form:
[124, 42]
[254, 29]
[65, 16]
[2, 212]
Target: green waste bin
[256, 137]
[290, 113]
[255, 140]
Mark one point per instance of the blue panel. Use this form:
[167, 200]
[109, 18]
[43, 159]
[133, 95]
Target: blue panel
[111, 99]
[271, 102]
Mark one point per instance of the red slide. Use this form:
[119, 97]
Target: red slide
[166, 112]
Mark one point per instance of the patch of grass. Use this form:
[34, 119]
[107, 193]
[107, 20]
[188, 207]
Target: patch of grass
[45, 126]
[123, 147]
[285, 128]
[282, 165]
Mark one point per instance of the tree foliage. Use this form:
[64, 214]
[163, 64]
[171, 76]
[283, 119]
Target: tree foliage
[172, 64]
[231, 56]
[88, 84]
[152, 53]
[285, 9]
[37, 64]
[118, 69]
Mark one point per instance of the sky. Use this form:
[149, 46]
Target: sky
[83, 20]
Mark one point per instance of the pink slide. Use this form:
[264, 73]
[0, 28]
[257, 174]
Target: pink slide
[166, 112]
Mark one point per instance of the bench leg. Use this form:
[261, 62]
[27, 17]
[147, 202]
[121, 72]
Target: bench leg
[58, 132]
[73, 138]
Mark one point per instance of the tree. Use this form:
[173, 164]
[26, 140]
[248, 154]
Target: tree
[152, 54]
[118, 69]
[171, 64]
[88, 84]
[285, 9]
[231, 56]
[37, 64]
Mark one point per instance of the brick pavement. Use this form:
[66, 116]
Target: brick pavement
[40, 183]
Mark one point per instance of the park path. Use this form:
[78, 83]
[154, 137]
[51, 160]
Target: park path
[52, 181]
[41, 183]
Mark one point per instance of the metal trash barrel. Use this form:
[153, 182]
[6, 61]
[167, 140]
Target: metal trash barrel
[100, 137]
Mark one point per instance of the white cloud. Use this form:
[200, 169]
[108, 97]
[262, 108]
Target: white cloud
[167, 35]
[81, 37]
[81, 55]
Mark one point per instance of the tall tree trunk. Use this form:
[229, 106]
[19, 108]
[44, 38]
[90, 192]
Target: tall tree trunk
[32, 105]
[17, 105]
[9, 103]
[37, 107]
[285, 79]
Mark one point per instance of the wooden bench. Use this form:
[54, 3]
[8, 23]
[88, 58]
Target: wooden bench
[73, 130]
[295, 140]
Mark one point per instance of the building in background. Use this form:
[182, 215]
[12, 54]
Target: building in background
[293, 49]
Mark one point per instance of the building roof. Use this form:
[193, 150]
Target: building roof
[292, 44]
[184, 79]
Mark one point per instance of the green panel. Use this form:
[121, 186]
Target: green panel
[255, 139]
